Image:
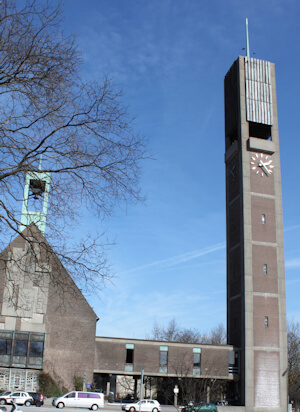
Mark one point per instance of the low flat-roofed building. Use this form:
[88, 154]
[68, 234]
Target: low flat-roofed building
[121, 357]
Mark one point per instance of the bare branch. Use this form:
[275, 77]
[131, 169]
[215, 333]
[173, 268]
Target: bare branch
[82, 129]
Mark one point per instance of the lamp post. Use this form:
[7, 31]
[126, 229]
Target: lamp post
[176, 391]
[141, 388]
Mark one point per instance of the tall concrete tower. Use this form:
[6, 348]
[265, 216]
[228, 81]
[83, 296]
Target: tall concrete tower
[256, 305]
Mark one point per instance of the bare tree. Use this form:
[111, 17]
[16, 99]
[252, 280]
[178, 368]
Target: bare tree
[174, 333]
[194, 389]
[191, 389]
[294, 360]
[81, 130]
[216, 336]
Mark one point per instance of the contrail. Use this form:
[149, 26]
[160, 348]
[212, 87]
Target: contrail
[292, 263]
[291, 228]
[175, 260]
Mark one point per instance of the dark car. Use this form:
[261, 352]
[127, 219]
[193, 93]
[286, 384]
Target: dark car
[38, 399]
[128, 399]
[188, 408]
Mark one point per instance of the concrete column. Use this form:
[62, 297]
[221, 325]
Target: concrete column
[208, 394]
[108, 387]
[135, 388]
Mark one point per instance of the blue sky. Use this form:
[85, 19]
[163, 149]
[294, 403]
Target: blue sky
[170, 58]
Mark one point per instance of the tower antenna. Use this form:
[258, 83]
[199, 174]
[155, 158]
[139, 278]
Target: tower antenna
[247, 39]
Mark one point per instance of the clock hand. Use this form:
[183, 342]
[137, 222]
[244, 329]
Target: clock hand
[264, 168]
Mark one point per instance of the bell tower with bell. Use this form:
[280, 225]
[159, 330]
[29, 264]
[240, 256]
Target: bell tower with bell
[35, 201]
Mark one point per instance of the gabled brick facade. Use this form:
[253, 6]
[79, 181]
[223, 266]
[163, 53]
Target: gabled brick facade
[39, 300]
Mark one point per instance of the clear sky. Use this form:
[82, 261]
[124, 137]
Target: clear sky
[170, 58]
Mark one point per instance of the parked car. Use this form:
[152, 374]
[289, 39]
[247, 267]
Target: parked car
[188, 408]
[147, 405]
[38, 399]
[208, 407]
[5, 393]
[223, 402]
[20, 398]
[76, 399]
[129, 398]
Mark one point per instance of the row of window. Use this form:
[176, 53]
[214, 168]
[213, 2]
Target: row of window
[264, 221]
[163, 358]
[20, 347]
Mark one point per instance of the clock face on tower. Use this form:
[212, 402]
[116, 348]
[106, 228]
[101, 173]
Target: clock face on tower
[262, 164]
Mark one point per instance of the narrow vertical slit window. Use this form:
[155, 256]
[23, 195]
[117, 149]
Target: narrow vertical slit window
[265, 269]
[266, 321]
[129, 352]
[263, 219]
[196, 361]
[163, 359]
[129, 357]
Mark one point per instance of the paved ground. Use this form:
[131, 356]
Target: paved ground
[47, 407]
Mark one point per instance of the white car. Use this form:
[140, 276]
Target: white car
[147, 405]
[20, 398]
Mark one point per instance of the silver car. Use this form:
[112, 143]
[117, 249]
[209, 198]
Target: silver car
[19, 397]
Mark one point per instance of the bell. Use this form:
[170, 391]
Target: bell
[37, 188]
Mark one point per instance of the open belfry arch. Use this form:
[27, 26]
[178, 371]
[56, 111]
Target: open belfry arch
[256, 304]
[37, 188]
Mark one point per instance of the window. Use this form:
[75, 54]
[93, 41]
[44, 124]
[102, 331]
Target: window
[129, 357]
[129, 352]
[196, 361]
[5, 346]
[265, 269]
[71, 395]
[197, 354]
[20, 347]
[163, 359]
[36, 348]
[266, 321]
[263, 219]
[82, 395]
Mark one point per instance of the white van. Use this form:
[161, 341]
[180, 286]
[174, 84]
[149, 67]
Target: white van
[75, 399]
